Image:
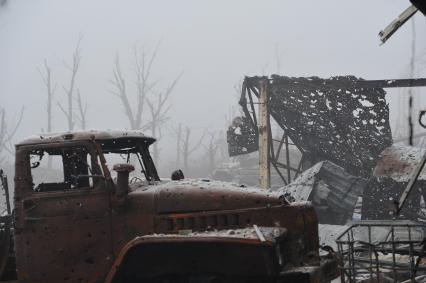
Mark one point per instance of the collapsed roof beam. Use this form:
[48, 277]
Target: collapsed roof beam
[368, 84]
[392, 83]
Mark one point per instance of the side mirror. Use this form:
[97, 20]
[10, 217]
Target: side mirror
[123, 170]
[177, 175]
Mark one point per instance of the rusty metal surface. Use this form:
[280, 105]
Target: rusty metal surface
[85, 136]
[5, 244]
[262, 259]
[205, 195]
[398, 161]
[75, 233]
[235, 237]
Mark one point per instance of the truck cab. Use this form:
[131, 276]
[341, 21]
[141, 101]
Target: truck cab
[104, 215]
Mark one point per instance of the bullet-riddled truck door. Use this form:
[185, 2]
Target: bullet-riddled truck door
[65, 232]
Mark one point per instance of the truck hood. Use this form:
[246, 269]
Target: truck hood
[200, 195]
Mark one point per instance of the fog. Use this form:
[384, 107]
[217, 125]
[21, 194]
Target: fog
[214, 44]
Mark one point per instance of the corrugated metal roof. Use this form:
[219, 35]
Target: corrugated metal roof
[332, 190]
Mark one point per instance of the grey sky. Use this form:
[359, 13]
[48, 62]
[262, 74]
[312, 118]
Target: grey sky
[215, 43]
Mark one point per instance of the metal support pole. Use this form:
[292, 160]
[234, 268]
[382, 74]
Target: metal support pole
[264, 146]
[287, 156]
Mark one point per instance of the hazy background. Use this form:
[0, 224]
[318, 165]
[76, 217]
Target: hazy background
[214, 43]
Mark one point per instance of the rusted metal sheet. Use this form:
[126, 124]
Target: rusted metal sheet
[332, 191]
[232, 246]
[81, 225]
[261, 257]
[398, 161]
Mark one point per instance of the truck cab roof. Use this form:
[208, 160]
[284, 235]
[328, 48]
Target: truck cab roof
[105, 136]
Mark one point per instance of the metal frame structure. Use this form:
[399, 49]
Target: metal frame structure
[256, 90]
[375, 250]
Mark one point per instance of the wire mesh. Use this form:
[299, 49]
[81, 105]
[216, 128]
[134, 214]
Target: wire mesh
[383, 251]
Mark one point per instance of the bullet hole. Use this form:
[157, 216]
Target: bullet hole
[89, 260]
[89, 235]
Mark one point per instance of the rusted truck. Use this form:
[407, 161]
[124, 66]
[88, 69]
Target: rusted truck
[100, 220]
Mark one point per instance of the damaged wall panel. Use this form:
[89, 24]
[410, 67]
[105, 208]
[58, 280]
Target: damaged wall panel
[391, 176]
[336, 119]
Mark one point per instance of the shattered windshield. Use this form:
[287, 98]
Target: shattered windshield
[130, 152]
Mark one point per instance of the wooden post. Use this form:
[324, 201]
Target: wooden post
[264, 146]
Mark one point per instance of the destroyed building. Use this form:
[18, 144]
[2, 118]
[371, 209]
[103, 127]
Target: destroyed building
[339, 126]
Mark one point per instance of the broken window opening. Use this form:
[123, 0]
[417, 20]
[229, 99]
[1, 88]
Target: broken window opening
[126, 151]
[71, 168]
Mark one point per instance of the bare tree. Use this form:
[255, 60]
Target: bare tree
[211, 149]
[157, 101]
[142, 71]
[187, 149]
[158, 109]
[7, 134]
[69, 91]
[82, 110]
[178, 145]
[47, 80]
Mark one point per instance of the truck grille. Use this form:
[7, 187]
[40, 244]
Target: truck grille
[197, 222]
